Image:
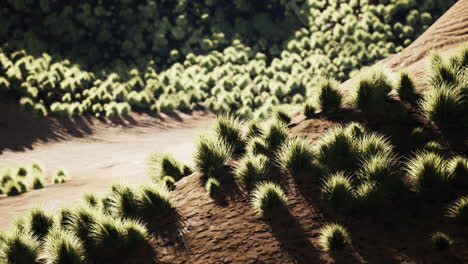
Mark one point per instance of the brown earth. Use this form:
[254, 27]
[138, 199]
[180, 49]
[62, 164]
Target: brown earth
[226, 229]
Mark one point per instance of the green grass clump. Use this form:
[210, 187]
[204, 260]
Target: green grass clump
[79, 221]
[282, 116]
[169, 182]
[442, 73]
[118, 239]
[63, 247]
[91, 199]
[257, 146]
[162, 164]
[441, 241]
[122, 201]
[308, 109]
[19, 248]
[211, 156]
[441, 105]
[12, 189]
[253, 129]
[337, 150]
[334, 237]
[372, 93]
[39, 223]
[382, 168]
[372, 144]
[153, 201]
[275, 135]
[61, 176]
[328, 95]
[267, 198]
[355, 129]
[427, 172]
[434, 146]
[21, 172]
[37, 183]
[251, 168]
[229, 130]
[22, 184]
[212, 186]
[337, 189]
[458, 169]
[405, 86]
[296, 155]
[369, 197]
[458, 210]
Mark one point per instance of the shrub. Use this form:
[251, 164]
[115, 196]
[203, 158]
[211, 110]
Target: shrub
[441, 105]
[458, 170]
[161, 165]
[62, 247]
[12, 189]
[253, 129]
[211, 156]
[21, 183]
[257, 146]
[328, 95]
[251, 168]
[122, 201]
[169, 182]
[116, 238]
[229, 130]
[39, 223]
[427, 172]
[281, 116]
[333, 236]
[65, 217]
[337, 189]
[37, 183]
[443, 73]
[355, 129]
[212, 186]
[381, 168]
[22, 172]
[61, 176]
[268, 197]
[369, 197]
[434, 146]
[337, 150]
[458, 210]
[441, 241]
[405, 87]
[19, 248]
[296, 155]
[80, 221]
[372, 144]
[372, 93]
[275, 136]
[154, 201]
[308, 110]
[91, 199]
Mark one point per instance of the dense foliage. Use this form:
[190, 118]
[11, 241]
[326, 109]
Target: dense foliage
[108, 58]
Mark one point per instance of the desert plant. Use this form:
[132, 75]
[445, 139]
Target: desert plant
[382, 168]
[434, 146]
[64, 217]
[60, 176]
[251, 168]
[37, 183]
[162, 164]
[91, 200]
[369, 197]
[296, 155]
[337, 189]
[39, 223]
[12, 189]
[440, 241]
[212, 186]
[115, 238]
[333, 237]
[253, 129]
[22, 172]
[441, 105]
[458, 210]
[22, 185]
[19, 248]
[458, 169]
[63, 247]
[122, 201]
[355, 129]
[372, 144]
[427, 172]
[405, 86]
[229, 130]
[257, 146]
[275, 136]
[308, 110]
[268, 197]
[211, 156]
[169, 182]
[337, 150]
[153, 201]
[328, 95]
[79, 221]
[372, 93]
[281, 116]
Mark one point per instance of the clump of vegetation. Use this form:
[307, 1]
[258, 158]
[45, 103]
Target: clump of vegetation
[328, 95]
[434, 146]
[91, 200]
[427, 172]
[229, 130]
[458, 170]
[338, 190]
[161, 165]
[441, 241]
[37, 183]
[267, 198]
[372, 144]
[63, 246]
[458, 210]
[253, 130]
[153, 201]
[169, 182]
[405, 87]
[19, 247]
[356, 130]
[212, 186]
[334, 237]
[296, 156]
[211, 156]
[61, 176]
[308, 109]
[381, 168]
[372, 93]
[257, 146]
[441, 105]
[39, 223]
[251, 168]
[369, 197]
[275, 135]
[337, 149]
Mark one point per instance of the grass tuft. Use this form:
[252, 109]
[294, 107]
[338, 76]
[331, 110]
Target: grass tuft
[333, 237]
[37, 183]
[212, 186]
[458, 210]
[275, 136]
[91, 200]
[281, 116]
[251, 168]
[229, 130]
[441, 105]
[419, 136]
[337, 189]
[308, 109]
[61, 176]
[372, 93]
[39, 223]
[296, 155]
[154, 201]
[458, 169]
[253, 129]
[328, 95]
[267, 198]
[337, 150]
[211, 156]
[62, 247]
[406, 86]
[372, 144]
[382, 168]
[19, 248]
[427, 172]
[369, 197]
